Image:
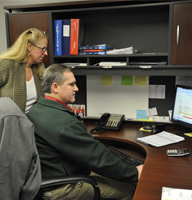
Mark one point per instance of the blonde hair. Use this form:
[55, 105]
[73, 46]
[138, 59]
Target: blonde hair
[18, 51]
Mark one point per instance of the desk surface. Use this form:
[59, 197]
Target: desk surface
[159, 170]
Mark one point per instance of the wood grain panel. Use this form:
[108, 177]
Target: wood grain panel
[181, 52]
[21, 22]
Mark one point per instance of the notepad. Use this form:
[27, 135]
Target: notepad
[161, 139]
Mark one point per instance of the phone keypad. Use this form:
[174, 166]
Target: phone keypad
[113, 120]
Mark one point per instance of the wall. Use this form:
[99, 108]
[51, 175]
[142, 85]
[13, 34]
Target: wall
[3, 39]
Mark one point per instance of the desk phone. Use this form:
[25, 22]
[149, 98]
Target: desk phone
[109, 122]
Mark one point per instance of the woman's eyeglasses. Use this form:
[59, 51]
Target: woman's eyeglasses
[42, 49]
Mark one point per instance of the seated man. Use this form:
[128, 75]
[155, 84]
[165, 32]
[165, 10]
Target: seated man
[65, 147]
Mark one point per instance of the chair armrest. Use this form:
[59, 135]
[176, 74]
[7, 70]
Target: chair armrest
[54, 183]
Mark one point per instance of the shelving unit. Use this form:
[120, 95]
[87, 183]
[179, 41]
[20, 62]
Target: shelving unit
[148, 26]
[139, 26]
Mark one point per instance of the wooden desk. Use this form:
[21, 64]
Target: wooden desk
[159, 170]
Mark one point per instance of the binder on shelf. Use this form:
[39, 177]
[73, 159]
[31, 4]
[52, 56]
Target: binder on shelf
[58, 32]
[77, 36]
[99, 47]
[66, 36]
[93, 53]
[92, 50]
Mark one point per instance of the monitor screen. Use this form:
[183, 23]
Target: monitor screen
[182, 111]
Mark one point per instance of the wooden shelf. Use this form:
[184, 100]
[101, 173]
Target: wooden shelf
[160, 70]
[76, 4]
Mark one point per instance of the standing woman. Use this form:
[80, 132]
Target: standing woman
[21, 68]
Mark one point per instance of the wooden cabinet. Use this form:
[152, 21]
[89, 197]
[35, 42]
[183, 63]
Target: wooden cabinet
[17, 23]
[147, 27]
[182, 34]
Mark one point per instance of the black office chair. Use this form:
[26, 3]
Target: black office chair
[54, 183]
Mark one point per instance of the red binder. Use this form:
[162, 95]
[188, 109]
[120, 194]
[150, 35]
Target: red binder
[74, 42]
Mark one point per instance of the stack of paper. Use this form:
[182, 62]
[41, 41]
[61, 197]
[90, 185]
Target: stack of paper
[111, 64]
[161, 139]
[128, 50]
[72, 65]
[176, 194]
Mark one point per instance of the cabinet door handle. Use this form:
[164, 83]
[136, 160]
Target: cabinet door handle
[177, 34]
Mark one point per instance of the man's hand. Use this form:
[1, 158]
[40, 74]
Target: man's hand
[139, 168]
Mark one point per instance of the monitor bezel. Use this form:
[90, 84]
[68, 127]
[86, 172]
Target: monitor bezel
[179, 122]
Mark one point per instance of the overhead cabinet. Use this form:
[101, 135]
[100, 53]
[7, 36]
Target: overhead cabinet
[160, 33]
[182, 33]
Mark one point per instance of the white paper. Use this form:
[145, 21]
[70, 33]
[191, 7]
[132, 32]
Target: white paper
[128, 50]
[72, 65]
[170, 114]
[184, 80]
[152, 111]
[66, 30]
[157, 91]
[111, 64]
[159, 118]
[161, 139]
[176, 194]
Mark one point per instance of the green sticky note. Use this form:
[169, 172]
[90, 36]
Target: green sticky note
[126, 80]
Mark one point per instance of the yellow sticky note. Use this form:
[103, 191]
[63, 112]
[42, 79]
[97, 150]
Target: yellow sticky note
[140, 80]
[106, 80]
[188, 134]
[142, 129]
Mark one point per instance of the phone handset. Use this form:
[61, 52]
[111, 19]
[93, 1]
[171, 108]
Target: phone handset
[102, 121]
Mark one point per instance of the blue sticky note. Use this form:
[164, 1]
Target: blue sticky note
[142, 114]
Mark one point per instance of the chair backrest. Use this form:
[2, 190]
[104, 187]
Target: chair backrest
[20, 173]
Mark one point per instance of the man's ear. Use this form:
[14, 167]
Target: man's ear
[54, 88]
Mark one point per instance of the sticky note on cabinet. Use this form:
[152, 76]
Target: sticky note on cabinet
[106, 80]
[126, 80]
[141, 114]
[140, 80]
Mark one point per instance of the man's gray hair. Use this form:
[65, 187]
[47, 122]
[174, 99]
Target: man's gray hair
[54, 73]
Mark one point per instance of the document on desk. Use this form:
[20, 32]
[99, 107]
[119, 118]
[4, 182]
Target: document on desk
[161, 139]
[175, 194]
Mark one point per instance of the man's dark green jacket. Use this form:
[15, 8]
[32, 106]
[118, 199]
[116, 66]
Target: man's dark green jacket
[65, 147]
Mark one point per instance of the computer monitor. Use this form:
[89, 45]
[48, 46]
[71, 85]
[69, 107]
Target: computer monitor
[182, 111]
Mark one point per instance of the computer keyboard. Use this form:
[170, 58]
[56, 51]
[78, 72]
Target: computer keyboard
[125, 158]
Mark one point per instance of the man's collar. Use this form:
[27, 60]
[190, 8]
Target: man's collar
[55, 99]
